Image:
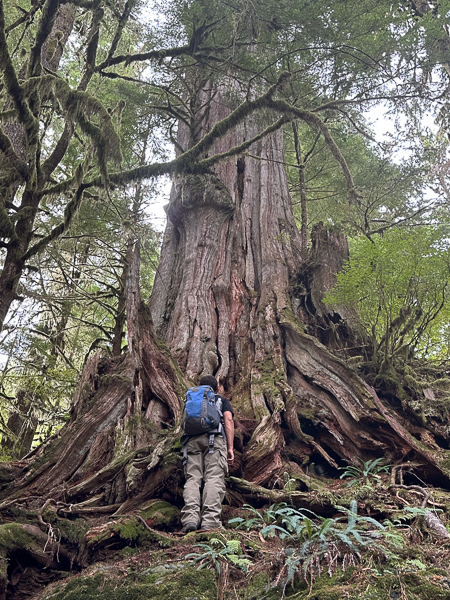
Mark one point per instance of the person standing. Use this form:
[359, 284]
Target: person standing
[206, 466]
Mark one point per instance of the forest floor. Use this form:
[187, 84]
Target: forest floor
[381, 545]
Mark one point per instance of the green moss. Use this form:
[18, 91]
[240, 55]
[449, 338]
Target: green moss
[423, 588]
[320, 595]
[107, 380]
[290, 316]
[167, 582]
[271, 383]
[160, 513]
[127, 552]
[129, 530]
[177, 445]
[73, 531]
[12, 536]
[132, 532]
[378, 585]
[255, 586]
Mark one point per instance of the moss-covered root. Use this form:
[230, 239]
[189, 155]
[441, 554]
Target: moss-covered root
[129, 530]
[166, 581]
[161, 514]
[39, 548]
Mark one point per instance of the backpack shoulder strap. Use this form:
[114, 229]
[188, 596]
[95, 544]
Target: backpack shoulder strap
[219, 404]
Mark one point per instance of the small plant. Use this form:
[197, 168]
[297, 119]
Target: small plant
[218, 553]
[368, 474]
[257, 520]
[417, 564]
[312, 541]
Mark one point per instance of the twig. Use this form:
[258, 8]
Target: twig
[42, 510]
[413, 489]
[396, 468]
[158, 533]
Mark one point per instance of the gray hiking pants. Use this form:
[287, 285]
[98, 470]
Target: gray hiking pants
[204, 508]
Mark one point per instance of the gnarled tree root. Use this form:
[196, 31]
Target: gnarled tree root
[24, 546]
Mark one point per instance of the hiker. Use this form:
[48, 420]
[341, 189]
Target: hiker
[206, 459]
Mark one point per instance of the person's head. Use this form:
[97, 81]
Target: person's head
[209, 380]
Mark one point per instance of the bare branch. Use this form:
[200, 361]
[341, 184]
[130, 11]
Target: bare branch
[69, 213]
[314, 121]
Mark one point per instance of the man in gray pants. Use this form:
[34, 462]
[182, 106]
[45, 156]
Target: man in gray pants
[203, 509]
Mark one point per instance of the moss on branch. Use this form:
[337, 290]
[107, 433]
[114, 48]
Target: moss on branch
[188, 162]
[26, 117]
[208, 162]
[45, 27]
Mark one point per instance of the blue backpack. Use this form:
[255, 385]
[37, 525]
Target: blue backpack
[202, 411]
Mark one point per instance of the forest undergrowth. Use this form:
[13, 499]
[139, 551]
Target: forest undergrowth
[371, 537]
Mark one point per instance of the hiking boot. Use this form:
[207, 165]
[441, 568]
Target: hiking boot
[211, 527]
[189, 527]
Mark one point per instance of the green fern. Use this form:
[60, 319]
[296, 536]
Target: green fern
[313, 540]
[367, 474]
[217, 552]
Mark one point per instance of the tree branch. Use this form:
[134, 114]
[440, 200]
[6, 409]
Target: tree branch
[314, 121]
[45, 27]
[209, 162]
[58, 152]
[120, 27]
[13, 87]
[185, 163]
[27, 17]
[69, 213]
[152, 55]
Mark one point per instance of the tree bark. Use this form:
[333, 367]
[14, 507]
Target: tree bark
[301, 188]
[21, 426]
[224, 302]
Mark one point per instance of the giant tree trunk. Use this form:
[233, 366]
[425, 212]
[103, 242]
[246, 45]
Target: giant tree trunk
[224, 303]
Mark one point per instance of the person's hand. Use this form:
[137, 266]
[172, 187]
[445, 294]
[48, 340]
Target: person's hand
[230, 455]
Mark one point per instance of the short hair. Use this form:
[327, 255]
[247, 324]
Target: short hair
[209, 380]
